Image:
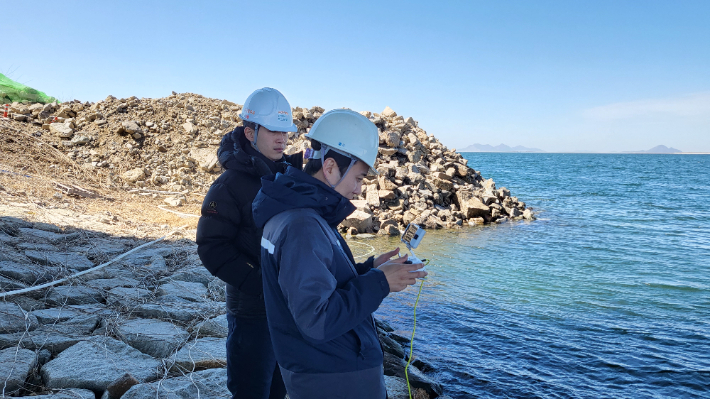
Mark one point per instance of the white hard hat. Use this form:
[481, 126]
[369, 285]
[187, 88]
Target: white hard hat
[349, 132]
[269, 108]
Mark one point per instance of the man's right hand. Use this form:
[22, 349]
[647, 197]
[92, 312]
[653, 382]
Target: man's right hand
[399, 275]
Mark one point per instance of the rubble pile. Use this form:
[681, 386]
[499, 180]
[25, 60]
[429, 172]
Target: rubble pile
[170, 144]
[150, 324]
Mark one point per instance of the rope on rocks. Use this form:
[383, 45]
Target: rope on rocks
[62, 280]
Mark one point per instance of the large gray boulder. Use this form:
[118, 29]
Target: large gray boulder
[173, 308]
[9, 254]
[157, 338]
[55, 315]
[396, 387]
[362, 221]
[133, 175]
[15, 366]
[205, 157]
[70, 260]
[203, 353]
[214, 327]
[528, 214]
[82, 324]
[131, 127]
[143, 256]
[14, 319]
[109, 283]
[37, 246]
[115, 270]
[157, 264]
[471, 206]
[6, 238]
[192, 275]
[41, 338]
[106, 247]
[96, 309]
[95, 363]
[68, 394]
[395, 366]
[74, 295]
[27, 273]
[47, 236]
[206, 384]
[8, 284]
[63, 130]
[125, 296]
[183, 289]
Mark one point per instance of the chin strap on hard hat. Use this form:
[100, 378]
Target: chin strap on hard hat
[323, 151]
[253, 143]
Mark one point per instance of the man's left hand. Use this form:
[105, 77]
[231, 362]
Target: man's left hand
[385, 257]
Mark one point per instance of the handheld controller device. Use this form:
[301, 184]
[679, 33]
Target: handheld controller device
[411, 238]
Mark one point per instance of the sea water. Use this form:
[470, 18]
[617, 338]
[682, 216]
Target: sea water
[605, 295]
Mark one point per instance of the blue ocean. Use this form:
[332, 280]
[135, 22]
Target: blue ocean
[606, 295]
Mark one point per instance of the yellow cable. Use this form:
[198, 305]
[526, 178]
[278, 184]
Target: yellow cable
[411, 341]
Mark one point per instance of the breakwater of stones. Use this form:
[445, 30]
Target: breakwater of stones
[151, 324]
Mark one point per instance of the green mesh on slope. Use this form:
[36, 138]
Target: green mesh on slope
[11, 91]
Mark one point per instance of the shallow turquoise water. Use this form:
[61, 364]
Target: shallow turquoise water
[606, 295]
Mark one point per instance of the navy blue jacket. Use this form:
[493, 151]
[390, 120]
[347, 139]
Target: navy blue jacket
[319, 302]
[228, 241]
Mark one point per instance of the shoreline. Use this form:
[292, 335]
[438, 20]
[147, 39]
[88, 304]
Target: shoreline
[588, 153]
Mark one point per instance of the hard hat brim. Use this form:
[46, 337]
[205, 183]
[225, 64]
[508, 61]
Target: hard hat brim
[273, 128]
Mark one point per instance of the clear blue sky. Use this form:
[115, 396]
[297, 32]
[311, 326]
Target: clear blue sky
[557, 75]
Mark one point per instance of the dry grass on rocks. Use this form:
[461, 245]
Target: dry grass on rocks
[34, 172]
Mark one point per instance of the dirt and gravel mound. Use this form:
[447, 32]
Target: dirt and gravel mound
[167, 146]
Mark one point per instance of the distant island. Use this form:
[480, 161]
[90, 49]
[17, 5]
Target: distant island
[499, 148]
[659, 149]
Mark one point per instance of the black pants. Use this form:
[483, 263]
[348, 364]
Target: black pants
[252, 371]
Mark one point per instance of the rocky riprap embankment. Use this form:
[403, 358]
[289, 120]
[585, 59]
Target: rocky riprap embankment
[151, 322]
[170, 144]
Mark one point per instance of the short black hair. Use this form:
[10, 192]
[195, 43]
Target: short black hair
[249, 124]
[314, 165]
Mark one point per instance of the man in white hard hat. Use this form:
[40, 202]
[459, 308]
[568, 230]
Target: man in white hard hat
[319, 302]
[229, 241]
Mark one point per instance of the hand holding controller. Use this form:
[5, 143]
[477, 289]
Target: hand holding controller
[414, 260]
[412, 236]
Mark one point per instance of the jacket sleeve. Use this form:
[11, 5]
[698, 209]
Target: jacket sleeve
[365, 266]
[216, 236]
[227, 147]
[321, 310]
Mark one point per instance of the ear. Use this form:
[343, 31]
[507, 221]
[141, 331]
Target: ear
[330, 166]
[249, 133]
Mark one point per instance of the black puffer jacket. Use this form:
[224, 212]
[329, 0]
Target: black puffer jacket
[228, 241]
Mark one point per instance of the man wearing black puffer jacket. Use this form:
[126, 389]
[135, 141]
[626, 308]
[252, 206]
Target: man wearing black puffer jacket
[229, 243]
